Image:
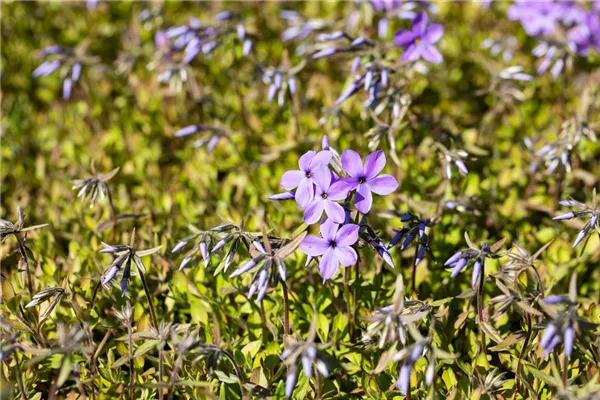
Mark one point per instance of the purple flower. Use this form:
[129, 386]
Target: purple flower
[327, 193]
[364, 178]
[537, 17]
[311, 164]
[552, 336]
[386, 5]
[46, 68]
[419, 41]
[334, 247]
[586, 34]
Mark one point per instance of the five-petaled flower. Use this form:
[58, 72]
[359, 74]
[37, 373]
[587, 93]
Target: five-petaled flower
[334, 247]
[418, 42]
[364, 178]
[311, 164]
[327, 193]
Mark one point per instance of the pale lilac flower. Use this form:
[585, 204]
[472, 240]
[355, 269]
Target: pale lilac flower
[327, 195]
[473, 255]
[311, 164]
[582, 210]
[364, 178]
[419, 41]
[335, 247]
[537, 17]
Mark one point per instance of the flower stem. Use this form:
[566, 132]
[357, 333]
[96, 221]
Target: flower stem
[160, 374]
[149, 297]
[130, 351]
[565, 370]
[20, 379]
[414, 270]
[21, 246]
[480, 306]
[524, 349]
[347, 300]
[174, 374]
[318, 386]
[286, 309]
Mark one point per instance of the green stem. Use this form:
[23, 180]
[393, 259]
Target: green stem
[480, 306]
[149, 297]
[524, 349]
[565, 370]
[318, 386]
[20, 379]
[130, 350]
[414, 270]
[21, 246]
[347, 300]
[160, 374]
[286, 309]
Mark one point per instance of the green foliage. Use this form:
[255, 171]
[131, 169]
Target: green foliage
[72, 336]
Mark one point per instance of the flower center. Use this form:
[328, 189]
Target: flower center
[362, 180]
[324, 195]
[332, 243]
[308, 174]
[417, 41]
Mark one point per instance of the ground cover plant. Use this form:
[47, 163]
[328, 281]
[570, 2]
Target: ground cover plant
[236, 200]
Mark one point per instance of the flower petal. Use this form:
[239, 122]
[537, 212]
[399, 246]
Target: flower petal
[314, 210]
[374, 164]
[412, 53]
[321, 176]
[434, 33]
[291, 179]
[403, 38]
[382, 185]
[352, 182]
[305, 192]
[432, 55]
[329, 264]
[314, 246]
[321, 159]
[346, 255]
[347, 235]
[339, 190]
[352, 163]
[403, 383]
[569, 340]
[420, 23]
[335, 211]
[306, 160]
[363, 199]
[328, 229]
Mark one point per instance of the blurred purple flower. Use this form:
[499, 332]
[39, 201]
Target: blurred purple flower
[537, 17]
[582, 210]
[334, 246]
[586, 34]
[364, 178]
[418, 42]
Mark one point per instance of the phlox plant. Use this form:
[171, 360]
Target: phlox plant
[266, 176]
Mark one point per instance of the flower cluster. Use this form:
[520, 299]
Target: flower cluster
[211, 135]
[414, 229]
[565, 28]
[306, 353]
[392, 323]
[69, 60]
[582, 210]
[475, 255]
[319, 190]
[564, 324]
